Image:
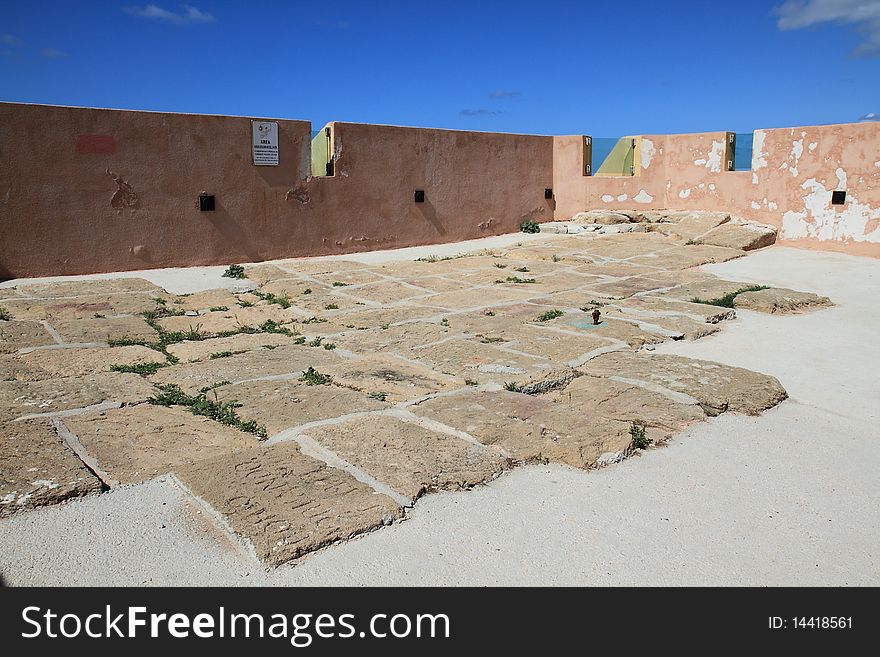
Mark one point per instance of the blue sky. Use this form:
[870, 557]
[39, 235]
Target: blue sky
[600, 68]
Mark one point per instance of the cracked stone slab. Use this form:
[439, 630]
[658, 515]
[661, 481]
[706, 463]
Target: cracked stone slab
[15, 335]
[85, 288]
[38, 469]
[189, 350]
[19, 398]
[398, 379]
[280, 405]
[690, 225]
[287, 360]
[531, 428]
[649, 307]
[608, 329]
[708, 289]
[81, 307]
[683, 257]
[137, 443]
[479, 297]
[285, 503]
[204, 300]
[552, 345]
[262, 274]
[781, 301]
[394, 338]
[384, 292]
[378, 317]
[472, 360]
[411, 459]
[740, 236]
[228, 320]
[353, 277]
[592, 396]
[103, 329]
[718, 388]
[81, 362]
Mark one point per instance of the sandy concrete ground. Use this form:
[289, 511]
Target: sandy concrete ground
[784, 498]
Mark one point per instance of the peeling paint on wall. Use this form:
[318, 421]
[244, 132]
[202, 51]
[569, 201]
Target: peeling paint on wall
[124, 196]
[820, 220]
[755, 205]
[622, 198]
[643, 197]
[684, 193]
[715, 156]
[648, 152]
[607, 198]
[759, 155]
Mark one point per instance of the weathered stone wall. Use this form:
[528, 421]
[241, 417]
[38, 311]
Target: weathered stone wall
[794, 172]
[90, 190]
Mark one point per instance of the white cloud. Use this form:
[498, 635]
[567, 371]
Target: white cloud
[52, 53]
[189, 14]
[10, 40]
[864, 14]
[870, 116]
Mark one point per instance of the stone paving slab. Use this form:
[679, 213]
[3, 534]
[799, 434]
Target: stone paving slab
[378, 317]
[204, 300]
[38, 469]
[472, 360]
[291, 360]
[479, 297]
[708, 289]
[592, 396]
[552, 345]
[280, 405]
[718, 388]
[103, 329]
[607, 329]
[688, 256]
[19, 398]
[746, 237]
[138, 443]
[384, 292]
[81, 362]
[410, 459]
[189, 350]
[398, 379]
[648, 306]
[228, 320]
[285, 503]
[85, 288]
[394, 338]
[353, 277]
[530, 428]
[15, 335]
[83, 307]
[781, 301]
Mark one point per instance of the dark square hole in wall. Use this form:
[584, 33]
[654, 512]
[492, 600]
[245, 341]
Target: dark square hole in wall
[838, 198]
[419, 196]
[206, 202]
[548, 193]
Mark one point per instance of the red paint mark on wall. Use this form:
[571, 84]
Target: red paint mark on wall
[95, 145]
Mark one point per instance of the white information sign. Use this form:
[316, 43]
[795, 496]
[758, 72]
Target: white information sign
[265, 143]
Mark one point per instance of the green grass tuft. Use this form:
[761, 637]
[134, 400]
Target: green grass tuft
[312, 377]
[144, 369]
[222, 412]
[234, 271]
[727, 301]
[530, 226]
[550, 314]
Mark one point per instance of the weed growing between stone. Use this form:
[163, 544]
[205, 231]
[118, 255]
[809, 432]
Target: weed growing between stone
[222, 412]
[234, 271]
[727, 301]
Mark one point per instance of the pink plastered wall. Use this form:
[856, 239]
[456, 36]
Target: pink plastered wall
[794, 172]
[91, 190]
